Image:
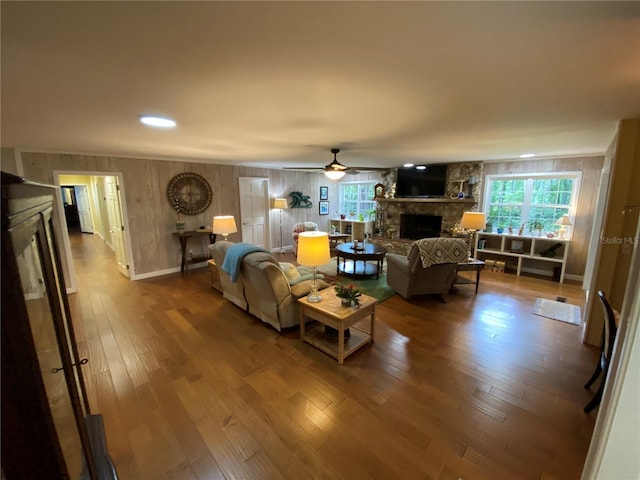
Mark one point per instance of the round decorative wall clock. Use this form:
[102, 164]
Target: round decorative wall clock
[189, 193]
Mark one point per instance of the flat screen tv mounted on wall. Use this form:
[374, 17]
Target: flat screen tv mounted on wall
[430, 182]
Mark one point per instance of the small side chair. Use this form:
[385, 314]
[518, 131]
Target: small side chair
[610, 330]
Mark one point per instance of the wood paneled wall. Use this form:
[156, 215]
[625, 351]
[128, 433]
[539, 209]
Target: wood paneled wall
[152, 219]
[591, 168]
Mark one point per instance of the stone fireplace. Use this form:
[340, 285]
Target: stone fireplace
[415, 227]
[448, 211]
[391, 210]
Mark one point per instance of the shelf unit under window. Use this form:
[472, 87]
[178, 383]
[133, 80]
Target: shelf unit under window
[355, 228]
[522, 249]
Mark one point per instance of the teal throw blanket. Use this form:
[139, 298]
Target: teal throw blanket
[234, 256]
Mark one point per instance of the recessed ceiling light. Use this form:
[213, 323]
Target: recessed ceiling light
[527, 155]
[408, 165]
[157, 121]
[420, 167]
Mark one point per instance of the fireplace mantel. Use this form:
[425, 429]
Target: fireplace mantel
[425, 200]
[450, 210]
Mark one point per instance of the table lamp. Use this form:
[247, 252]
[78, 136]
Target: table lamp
[313, 250]
[281, 204]
[564, 222]
[224, 225]
[473, 221]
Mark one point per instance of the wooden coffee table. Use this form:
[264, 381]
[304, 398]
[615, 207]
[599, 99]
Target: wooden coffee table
[364, 252]
[332, 313]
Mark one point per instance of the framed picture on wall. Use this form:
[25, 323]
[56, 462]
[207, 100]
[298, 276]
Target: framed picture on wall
[324, 193]
[323, 207]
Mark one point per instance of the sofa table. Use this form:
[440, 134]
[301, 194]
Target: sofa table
[332, 313]
[184, 238]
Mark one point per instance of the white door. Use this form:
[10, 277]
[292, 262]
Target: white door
[116, 225]
[254, 210]
[84, 208]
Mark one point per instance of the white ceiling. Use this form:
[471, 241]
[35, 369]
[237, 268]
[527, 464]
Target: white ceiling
[281, 83]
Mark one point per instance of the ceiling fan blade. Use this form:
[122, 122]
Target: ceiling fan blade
[319, 169]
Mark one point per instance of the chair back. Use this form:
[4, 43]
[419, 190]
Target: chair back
[298, 228]
[437, 251]
[610, 329]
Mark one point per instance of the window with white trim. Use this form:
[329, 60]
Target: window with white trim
[356, 198]
[514, 200]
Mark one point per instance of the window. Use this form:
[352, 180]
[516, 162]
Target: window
[514, 200]
[357, 198]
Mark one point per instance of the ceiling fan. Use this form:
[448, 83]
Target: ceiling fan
[335, 170]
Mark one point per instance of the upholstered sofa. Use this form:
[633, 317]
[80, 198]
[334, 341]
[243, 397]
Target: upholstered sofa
[299, 228]
[430, 267]
[265, 288]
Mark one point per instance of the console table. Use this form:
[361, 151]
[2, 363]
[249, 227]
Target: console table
[184, 239]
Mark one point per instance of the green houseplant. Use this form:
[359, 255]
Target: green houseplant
[536, 225]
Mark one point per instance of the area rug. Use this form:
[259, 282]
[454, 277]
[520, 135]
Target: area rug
[560, 311]
[372, 286]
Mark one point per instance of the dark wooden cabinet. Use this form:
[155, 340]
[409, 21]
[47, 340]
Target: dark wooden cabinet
[48, 430]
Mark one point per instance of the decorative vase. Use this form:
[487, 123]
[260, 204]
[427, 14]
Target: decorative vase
[179, 223]
[346, 302]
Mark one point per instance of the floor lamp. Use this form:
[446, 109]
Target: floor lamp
[281, 204]
[473, 221]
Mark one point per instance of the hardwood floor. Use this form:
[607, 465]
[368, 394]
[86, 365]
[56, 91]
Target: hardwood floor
[191, 387]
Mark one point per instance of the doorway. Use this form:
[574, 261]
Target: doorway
[77, 208]
[94, 203]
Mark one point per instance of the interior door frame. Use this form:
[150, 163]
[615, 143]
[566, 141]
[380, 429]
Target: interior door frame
[72, 286]
[265, 205]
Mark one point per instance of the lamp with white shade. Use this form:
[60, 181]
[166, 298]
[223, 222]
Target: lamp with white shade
[280, 204]
[313, 250]
[224, 225]
[564, 222]
[473, 221]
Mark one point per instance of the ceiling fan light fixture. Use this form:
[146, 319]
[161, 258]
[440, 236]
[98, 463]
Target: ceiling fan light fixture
[335, 170]
[334, 174]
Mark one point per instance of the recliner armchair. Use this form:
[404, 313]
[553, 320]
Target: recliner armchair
[409, 276]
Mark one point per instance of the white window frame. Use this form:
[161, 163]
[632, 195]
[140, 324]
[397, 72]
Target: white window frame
[575, 176]
[342, 185]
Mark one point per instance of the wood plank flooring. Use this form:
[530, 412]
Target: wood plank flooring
[191, 387]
